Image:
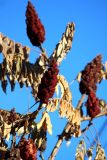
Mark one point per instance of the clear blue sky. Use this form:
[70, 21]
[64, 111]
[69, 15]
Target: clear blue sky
[90, 39]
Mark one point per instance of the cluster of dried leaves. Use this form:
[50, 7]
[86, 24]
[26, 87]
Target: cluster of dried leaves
[16, 65]
[17, 68]
[82, 152]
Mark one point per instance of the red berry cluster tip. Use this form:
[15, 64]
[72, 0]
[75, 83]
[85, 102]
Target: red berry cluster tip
[27, 149]
[91, 75]
[35, 29]
[48, 83]
[92, 104]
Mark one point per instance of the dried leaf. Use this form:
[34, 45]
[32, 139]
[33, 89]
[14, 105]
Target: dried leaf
[100, 153]
[80, 151]
[49, 124]
[75, 121]
[20, 131]
[40, 142]
[5, 131]
[105, 66]
[103, 105]
[62, 89]
[57, 90]
[65, 90]
[18, 65]
[89, 153]
[46, 119]
[79, 77]
[64, 44]
[66, 109]
[76, 118]
[52, 105]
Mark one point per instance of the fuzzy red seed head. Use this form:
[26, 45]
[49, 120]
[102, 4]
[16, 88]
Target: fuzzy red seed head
[35, 29]
[92, 104]
[28, 150]
[48, 83]
[91, 75]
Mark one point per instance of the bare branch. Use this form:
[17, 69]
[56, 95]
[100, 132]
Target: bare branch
[63, 134]
[66, 130]
[99, 115]
[81, 101]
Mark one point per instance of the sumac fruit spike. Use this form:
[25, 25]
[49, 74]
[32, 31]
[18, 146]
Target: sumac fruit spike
[93, 105]
[28, 150]
[35, 29]
[91, 75]
[48, 83]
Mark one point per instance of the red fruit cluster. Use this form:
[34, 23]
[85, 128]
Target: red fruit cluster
[48, 83]
[92, 104]
[35, 29]
[90, 75]
[27, 149]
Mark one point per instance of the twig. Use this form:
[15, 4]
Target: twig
[66, 130]
[81, 101]
[89, 118]
[41, 156]
[28, 117]
[63, 134]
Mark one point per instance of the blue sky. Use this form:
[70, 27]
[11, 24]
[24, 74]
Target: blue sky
[90, 39]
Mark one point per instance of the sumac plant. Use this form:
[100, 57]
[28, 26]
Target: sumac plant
[45, 80]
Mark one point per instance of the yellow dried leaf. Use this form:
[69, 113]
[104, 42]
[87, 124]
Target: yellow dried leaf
[79, 77]
[57, 89]
[40, 142]
[66, 109]
[76, 118]
[105, 66]
[52, 105]
[80, 151]
[63, 108]
[20, 131]
[100, 153]
[65, 90]
[62, 89]
[89, 153]
[49, 124]
[45, 118]
[7, 130]
[103, 105]
[39, 125]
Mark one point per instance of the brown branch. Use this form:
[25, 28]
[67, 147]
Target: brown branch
[67, 127]
[61, 138]
[85, 118]
[81, 101]
[63, 134]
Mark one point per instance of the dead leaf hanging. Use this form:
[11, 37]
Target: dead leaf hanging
[46, 119]
[80, 151]
[89, 153]
[52, 105]
[65, 90]
[100, 153]
[64, 44]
